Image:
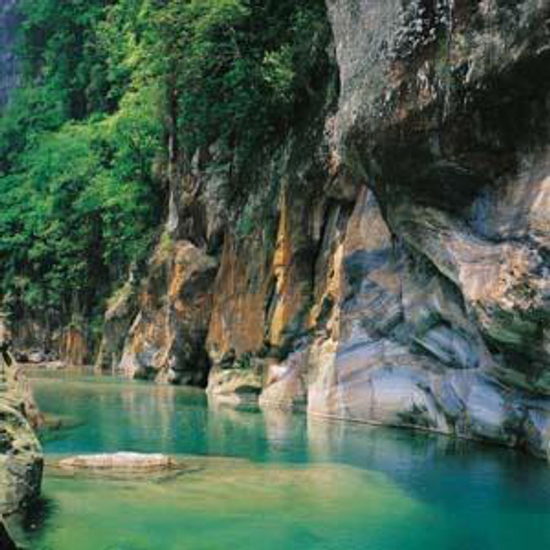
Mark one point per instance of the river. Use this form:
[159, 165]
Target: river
[274, 480]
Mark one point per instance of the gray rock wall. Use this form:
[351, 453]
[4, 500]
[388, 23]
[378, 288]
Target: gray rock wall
[431, 300]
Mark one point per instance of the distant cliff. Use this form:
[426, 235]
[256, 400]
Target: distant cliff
[8, 62]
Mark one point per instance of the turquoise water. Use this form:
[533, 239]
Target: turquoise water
[275, 481]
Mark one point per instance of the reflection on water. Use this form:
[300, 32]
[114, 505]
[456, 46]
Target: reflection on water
[275, 480]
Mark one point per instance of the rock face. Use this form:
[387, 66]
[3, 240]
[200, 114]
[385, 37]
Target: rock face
[236, 387]
[73, 347]
[166, 339]
[118, 320]
[454, 337]
[21, 460]
[412, 289]
[37, 342]
[8, 63]
[392, 264]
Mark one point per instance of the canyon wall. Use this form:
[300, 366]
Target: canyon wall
[392, 265]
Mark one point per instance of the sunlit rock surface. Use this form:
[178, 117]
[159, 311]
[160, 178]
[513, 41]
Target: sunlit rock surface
[238, 387]
[166, 339]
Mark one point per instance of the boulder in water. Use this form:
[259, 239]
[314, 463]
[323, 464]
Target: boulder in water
[120, 462]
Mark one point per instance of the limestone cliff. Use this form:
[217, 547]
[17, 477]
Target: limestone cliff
[166, 339]
[392, 264]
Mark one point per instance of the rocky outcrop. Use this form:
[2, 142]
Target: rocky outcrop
[20, 453]
[462, 191]
[122, 310]
[74, 347]
[166, 339]
[238, 387]
[9, 73]
[391, 263]
[425, 301]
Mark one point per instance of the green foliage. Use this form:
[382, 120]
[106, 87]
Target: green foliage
[78, 201]
[80, 207]
[238, 71]
[113, 89]
[59, 49]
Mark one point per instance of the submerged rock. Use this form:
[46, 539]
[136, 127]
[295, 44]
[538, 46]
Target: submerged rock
[120, 462]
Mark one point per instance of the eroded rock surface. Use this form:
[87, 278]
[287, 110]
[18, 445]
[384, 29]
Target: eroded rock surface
[427, 296]
[21, 461]
[166, 339]
[390, 264]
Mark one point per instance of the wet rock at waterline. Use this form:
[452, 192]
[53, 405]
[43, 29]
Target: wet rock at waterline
[236, 387]
[21, 459]
[120, 463]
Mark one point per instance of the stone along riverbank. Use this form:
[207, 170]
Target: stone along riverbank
[21, 460]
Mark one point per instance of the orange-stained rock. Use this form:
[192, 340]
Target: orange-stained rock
[238, 314]
[166, 340]
[262, 295]
[291, 269]
[74, 348]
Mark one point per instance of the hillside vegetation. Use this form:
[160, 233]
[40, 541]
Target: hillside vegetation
[115, 95]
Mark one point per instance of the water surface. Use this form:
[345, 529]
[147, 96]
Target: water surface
[275, 481]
